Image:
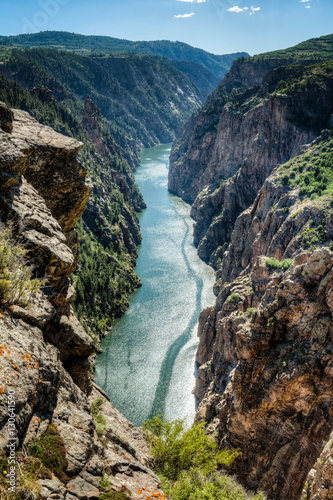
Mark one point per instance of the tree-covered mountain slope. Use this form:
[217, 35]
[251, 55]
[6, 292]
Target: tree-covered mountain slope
[144, 95]
[109, 230]
[216, 64]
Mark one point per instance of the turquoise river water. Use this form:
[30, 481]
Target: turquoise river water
[147, 364]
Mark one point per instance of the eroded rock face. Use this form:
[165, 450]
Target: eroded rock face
[234, 143]
[265, 352]
[44, 350]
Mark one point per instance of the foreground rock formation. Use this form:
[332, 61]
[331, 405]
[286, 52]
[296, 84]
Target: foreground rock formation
[44, 349]
[256, 162]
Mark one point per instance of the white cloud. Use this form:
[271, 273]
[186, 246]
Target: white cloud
[237, 9]
[244, 9]
[193, 1]
[304, 1]
[308, 7]
[183, 16]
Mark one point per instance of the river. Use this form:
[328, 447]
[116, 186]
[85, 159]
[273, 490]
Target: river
[147, 364]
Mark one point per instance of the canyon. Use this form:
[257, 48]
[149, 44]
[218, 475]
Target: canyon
[255, 162]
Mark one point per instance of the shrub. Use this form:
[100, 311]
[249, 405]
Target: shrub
[193, 486]
[99, 419]
[176, 450]
[233, 296]
[187, 461]
[272, 263]
[285, 179]
[16, 283]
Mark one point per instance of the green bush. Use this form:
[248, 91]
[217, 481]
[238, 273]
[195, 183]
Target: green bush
[188, 462]
[233, 296]
[194, 486]
[99, 419]
[176, 450]
[272, 263]
[16, 283]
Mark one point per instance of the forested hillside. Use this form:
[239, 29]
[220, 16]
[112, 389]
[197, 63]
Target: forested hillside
[144, 95]
[109, 230]
[218, 65]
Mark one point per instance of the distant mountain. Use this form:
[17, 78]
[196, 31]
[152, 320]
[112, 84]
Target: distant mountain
[145, 95]
[219, 65]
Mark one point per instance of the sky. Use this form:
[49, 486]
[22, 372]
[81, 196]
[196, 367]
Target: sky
[218, 26]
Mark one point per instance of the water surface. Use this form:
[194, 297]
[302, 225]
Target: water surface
[147, 364]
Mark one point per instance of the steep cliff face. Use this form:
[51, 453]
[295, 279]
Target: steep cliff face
[256, 161]
[265, 353]
[227, 162]
[45, 366]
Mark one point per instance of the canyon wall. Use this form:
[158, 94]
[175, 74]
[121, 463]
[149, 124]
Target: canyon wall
[256, 163]
[45, 352]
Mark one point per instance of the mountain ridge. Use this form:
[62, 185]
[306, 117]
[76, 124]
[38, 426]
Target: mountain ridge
[217, 64]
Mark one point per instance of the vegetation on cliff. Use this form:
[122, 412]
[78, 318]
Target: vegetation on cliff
[300, 94]
[17, 285]
[189, 462]
[105, 255]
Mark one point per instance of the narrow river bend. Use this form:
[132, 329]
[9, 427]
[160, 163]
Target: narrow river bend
[147, 364]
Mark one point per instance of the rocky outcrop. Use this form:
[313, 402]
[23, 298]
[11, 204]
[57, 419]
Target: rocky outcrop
[319, 482]
[264, 378]
[44, 350]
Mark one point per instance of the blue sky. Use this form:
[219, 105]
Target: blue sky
[219, 26]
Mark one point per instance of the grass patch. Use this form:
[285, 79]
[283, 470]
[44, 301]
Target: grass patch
[114, 495]
[51, 451]
[26, 483]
